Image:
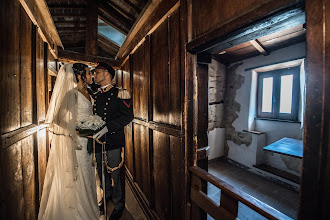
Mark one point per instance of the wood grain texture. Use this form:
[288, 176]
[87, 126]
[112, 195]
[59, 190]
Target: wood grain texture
[160, 73]
[91, 28]
[142, 162]
[161, 174]
[26, 69]
[28, 169]
[177, 178]
[42, 159]
[10, 70]
[127, 76]
[137, 71]
[206, 18]
[254, 204]
[11, 168]
[315, 182]
[40, 79]
[144, 81]
[174, 69]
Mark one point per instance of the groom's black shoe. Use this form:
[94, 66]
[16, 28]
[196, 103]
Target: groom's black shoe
[116, 214]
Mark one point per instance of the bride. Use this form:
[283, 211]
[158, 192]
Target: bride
[69, 190]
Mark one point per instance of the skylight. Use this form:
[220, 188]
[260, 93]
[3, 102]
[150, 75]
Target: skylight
[110, 33]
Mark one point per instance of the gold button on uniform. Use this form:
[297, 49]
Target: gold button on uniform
[107, 103]
[104, 119]
[105, 113]
[108, 98]
[105, 108]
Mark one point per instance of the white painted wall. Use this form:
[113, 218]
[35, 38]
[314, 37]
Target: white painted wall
[274, 130]
[216, 138]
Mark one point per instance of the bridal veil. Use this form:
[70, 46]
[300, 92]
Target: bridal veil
[59, 199]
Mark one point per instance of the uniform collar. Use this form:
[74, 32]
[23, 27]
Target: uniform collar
[105, 88]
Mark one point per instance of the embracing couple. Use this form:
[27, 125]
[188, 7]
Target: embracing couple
[69, 190]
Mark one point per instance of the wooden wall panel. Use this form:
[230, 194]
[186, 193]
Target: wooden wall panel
[129, 148]
[29, 185]
[26, 70]
[11, 168]
[209, 14]
[175, 79]
[24, 82]
[42, 159]
[10, 33]
[161, 174]
[160, 73]
[119, 78]
[144, 80]
[137, 71]
[127, 76]
[142, 163]
[40, 78]
[177, 178]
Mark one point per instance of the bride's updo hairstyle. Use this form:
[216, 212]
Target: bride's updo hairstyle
[79, 69]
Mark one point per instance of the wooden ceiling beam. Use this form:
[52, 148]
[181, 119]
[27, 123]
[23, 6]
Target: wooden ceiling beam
[111, 12]
[73, 57]
[59, 29]
[121, 11]
[259, 47]
[226, 35]
[91, 28]
[68, 15]
[39, 14]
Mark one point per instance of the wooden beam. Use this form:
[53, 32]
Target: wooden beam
[121, 11]
[251, 202]
[203, 153]
[315, 181]
[114, 14]
[73, 57]
[39, 14]
[91, 28]
[153, 15]
[253, 27]
[259, 47]
[204, 58]
[10, 138]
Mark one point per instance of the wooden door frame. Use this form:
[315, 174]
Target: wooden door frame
[314, 199]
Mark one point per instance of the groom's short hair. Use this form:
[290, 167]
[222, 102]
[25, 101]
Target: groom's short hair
[107, 67]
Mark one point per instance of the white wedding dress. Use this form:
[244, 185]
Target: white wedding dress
[87, 197]
[78, 200]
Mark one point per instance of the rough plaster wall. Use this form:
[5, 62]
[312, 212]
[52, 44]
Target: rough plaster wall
[217, 86]
[232, 108]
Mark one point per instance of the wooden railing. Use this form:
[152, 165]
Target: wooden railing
[230, 197]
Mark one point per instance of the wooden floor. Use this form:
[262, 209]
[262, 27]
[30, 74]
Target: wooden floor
[278, 197]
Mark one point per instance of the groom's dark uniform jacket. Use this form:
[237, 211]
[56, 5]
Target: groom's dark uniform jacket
[114, 106]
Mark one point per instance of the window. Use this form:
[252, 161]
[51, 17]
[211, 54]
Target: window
[278, 94]
[110, 33]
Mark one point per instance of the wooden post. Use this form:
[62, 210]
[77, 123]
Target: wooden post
[91, 28]
[315, 190]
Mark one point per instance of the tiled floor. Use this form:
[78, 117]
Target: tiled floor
[278, 197]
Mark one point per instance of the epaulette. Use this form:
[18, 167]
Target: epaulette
[123, 94]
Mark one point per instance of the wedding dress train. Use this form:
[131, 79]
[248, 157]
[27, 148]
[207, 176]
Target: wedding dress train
[60, 198]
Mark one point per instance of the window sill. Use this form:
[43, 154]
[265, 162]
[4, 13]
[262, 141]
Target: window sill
[278, 120]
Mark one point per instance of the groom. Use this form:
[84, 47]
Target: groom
[114, 106]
